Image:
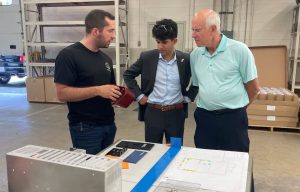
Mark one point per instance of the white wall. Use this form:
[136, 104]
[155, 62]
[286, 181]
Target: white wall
[10, 30]
[143, 12]
[268, 23]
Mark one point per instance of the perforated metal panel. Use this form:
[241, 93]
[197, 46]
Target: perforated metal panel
[33, 168]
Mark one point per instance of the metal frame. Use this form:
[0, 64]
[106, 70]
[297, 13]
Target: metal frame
[294, 48]
[38, 31]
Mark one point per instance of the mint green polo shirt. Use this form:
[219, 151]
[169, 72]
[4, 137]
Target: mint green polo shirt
[222, 75]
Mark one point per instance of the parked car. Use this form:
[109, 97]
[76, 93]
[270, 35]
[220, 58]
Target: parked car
[11, 65]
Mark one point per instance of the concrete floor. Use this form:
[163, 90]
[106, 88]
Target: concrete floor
[276, 154]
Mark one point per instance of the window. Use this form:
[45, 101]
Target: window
[5, 2]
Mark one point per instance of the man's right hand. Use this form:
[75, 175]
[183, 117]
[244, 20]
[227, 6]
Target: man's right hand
[111, 92]
[143, 100]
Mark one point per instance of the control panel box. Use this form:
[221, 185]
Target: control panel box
[35, 169]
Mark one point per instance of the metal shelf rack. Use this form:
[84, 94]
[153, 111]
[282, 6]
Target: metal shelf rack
[35, 45]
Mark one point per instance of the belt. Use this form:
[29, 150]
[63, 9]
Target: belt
[166, 107]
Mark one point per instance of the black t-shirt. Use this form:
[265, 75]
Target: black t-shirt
[77, 66]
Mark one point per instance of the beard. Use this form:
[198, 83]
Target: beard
[101, 43]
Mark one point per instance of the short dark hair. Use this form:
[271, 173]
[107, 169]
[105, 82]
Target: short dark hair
[165, 29]
[96, 19]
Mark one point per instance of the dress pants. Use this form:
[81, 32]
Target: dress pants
[222, 130]
[159, 123]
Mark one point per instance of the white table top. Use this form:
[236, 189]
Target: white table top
[135, 172]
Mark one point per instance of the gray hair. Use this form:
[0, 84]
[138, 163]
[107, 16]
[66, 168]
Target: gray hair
[213, 18]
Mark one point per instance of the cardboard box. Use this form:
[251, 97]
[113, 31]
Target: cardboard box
[273, 110]
[271, 64]
[256, 120]
[278, 94]
[293, 102]
[35, 89]
[50, 90]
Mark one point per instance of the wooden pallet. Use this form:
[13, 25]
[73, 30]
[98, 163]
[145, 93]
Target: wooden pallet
[275, 128]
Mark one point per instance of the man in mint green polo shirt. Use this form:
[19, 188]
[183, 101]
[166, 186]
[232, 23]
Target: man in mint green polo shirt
[225, 72]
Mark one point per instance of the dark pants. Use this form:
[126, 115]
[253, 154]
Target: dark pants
[91, 136]
[222, 130]
[158, 123]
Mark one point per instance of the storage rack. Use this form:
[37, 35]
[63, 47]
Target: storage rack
[294, 49]
[35, 46]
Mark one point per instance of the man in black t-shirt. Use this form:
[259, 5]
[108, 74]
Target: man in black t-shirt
[84, 78]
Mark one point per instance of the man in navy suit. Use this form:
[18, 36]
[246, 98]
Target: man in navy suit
[165, 76]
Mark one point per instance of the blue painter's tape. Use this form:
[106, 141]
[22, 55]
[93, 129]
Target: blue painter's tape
[176, 142]
[147, 181]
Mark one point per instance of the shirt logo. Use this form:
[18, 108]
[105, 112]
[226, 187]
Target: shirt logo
[107, 67]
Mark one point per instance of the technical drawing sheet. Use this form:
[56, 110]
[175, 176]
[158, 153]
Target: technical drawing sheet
[212, 170]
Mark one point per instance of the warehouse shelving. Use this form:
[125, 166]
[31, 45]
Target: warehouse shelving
[226, 10]
[294, 57]
[34, 35]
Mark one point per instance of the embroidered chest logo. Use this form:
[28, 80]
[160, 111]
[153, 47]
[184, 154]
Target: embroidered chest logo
[107, 67]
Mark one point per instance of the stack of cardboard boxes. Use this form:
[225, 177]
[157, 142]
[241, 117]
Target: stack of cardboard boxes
[274, 107]
[41, 89]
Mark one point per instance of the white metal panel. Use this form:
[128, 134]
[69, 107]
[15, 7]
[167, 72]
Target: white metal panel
[61, 1]
[11, 39]
[34, 169]
[10, 30]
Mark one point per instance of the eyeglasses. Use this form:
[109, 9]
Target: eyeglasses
[164, 27]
